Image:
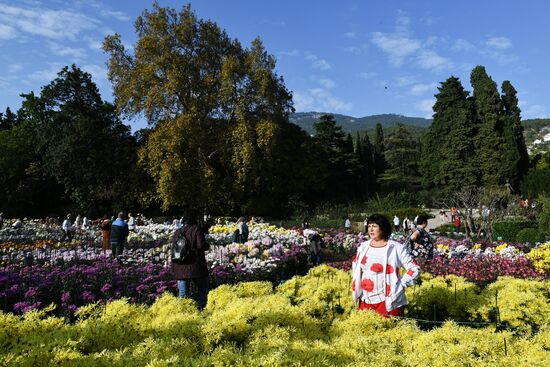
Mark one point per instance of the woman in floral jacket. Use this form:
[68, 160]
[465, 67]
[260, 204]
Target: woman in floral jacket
[376, 270]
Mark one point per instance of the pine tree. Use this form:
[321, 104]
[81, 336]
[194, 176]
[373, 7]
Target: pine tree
[490, 138]
[515, 157]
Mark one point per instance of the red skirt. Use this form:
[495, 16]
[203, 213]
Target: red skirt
[381, 308]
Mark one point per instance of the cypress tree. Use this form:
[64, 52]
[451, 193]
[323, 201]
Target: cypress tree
[453, 144]
[368, 164]
[401, 155]
[490, 138]
[515, 157]
[378, 151]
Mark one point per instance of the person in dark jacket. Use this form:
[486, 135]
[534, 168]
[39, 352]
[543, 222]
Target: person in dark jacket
[194, 269]
[119, 235]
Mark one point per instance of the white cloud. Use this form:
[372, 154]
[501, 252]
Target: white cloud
[60, 50]
[326, 83]
[401, 46]
[327, 102]
[319, 64]
[353, 50]
[405, 80]
[289, 53]
[14, 68]
[396, 46]
[497, 48]
[428, 59]
[499, 43]
[350, 35]
[425, 106]
[94, 44]
[99, 74]
[319, 99]
[7, 32]
[531, 111]
[419, 89]
[115, 14]
[45, 75]
[462, 45]
[302, 101]
[52, 24]
[368, 75]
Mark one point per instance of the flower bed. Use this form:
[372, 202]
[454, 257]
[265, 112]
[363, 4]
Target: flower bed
[298, 323]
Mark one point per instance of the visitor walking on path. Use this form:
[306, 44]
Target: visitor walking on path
[67, 228]
[194, 268]
[396, 223]
[377, 284]
[420, 243]
[105, 227]
[119, 235]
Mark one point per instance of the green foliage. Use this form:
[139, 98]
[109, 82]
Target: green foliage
[537, 182]
[543, 213]
[448, 157]
[531, 235]
[402, 154]
[508, 229]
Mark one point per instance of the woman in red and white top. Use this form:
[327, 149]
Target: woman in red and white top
[377, 283]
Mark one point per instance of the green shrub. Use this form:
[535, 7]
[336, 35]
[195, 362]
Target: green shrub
[508, 229]
[445, 228]
[529, 235]
[543, 215]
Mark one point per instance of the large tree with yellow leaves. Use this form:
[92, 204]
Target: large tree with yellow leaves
[218, 112]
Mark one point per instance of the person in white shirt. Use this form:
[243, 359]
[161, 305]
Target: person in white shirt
[85, 223]
[396, 223]
[347, 224]
[131, 222]
[377, 281]
[67, 228]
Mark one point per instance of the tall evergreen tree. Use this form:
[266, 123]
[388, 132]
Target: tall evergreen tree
[490, 137]
[378, 151]
[448, 159]
[402, 155]
[515, 156]
[7, 119]
[368, 164]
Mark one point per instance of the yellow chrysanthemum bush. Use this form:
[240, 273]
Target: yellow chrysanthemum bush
[442, 298]
[541, 258]
[522, 304]
[250, 324]
[324, 293]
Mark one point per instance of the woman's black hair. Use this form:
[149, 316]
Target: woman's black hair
[421, 219]
[382, 222]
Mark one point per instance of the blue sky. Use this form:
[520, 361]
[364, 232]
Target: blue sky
[351, 57]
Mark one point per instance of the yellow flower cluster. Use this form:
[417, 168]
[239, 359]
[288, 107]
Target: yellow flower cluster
[501, 247]
[442, 247]
[477, 246]
[298, 323]
[541, 258]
